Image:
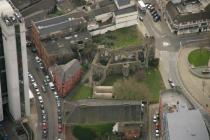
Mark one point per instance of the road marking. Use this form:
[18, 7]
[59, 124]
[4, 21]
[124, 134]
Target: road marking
[165, 44]
[196, 40]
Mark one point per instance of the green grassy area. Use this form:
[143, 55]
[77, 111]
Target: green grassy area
[152, 84]
[120, 38]
[91, 132]
[155, 84]
[83, 92]
[199, 57]
[110, 80]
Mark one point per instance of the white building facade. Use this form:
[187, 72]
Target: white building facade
[15, 58]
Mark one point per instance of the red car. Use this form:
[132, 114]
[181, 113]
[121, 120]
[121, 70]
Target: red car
[44, 125]
[59, 128]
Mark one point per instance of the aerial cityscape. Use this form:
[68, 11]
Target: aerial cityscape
[104, 69]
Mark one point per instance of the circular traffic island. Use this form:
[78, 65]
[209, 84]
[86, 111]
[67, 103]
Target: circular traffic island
[199, 57]
[199, 61]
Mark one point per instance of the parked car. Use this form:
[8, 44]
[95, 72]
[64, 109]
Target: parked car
[154, 118]
[59, 127]
[51, 85]
[45, 82]
[156, 18]
[44, 126]
[44, 133]
[43, 89]
[47, 77]
[141, 18]
[41, 106]
[37, 59]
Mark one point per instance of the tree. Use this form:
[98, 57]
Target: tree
[140, 75]
[130, 89]
[154, 62]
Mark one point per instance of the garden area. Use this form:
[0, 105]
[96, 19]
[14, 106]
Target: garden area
[82, 92]
[121, 38]
[199, 57]
[95, 131]
[140, 86]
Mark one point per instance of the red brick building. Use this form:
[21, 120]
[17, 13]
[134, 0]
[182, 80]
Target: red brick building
[66, 76]
[55, 37]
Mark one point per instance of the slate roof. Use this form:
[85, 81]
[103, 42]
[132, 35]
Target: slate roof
[66, 71]
[60, 23]
[126, 10]
[123, 2]
[95, 111]
[180, 18]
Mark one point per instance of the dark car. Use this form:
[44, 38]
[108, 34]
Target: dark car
[156, 18]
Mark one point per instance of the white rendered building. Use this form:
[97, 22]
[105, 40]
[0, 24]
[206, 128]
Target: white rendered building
[13, 61]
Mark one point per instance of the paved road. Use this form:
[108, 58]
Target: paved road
[49, 100]
[168, 46]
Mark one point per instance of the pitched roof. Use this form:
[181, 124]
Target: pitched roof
[178, 17]
[126, 10]
[68, 70]
[123, 2]
[60, 23]
[93, 111]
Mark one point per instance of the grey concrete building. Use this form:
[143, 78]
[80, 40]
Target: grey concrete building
[13, 61]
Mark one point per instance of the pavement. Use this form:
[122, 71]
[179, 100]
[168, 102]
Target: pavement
[199, 88]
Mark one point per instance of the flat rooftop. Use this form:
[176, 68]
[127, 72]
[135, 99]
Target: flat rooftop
[187, 125]
[63, 45]
[170, 99]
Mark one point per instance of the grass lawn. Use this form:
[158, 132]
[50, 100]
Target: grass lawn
[155, 84]
[83, 92]
[199, 57]
[110, 80]
[91, 132]
[120, 38]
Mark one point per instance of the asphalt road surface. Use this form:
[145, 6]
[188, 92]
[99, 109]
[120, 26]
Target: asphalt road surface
[48, 97]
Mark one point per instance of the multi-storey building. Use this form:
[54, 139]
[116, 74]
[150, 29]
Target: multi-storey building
[187, 16]
[13, 62]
